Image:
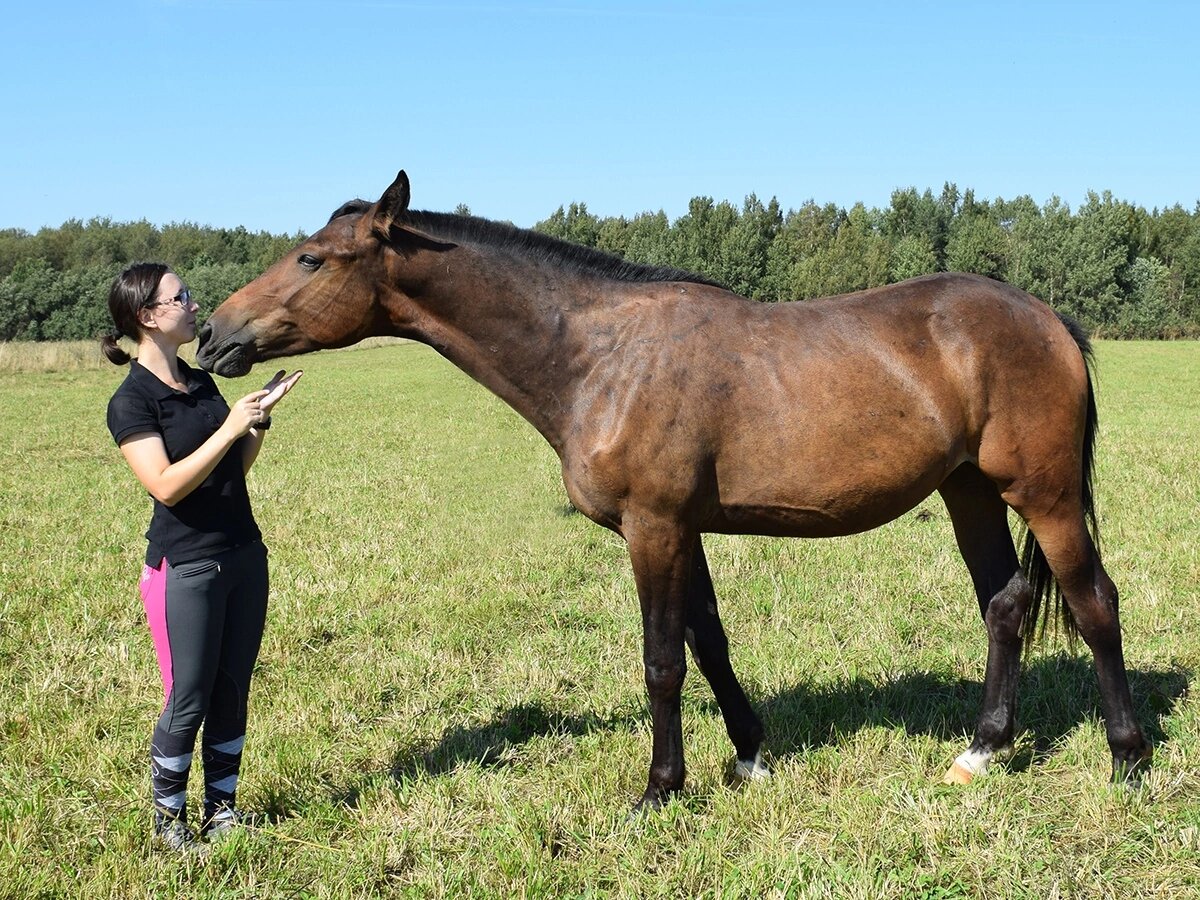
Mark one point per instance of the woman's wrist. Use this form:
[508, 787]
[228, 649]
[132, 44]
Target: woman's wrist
[230, 434]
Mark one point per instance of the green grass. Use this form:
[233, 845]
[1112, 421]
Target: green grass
[449, 700]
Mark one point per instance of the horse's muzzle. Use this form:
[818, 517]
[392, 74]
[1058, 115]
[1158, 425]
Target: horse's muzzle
[229, 356]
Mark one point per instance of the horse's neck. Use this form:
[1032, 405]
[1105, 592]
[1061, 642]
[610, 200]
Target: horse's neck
[518, 333]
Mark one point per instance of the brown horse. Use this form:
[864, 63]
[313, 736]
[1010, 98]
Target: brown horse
[678, 408]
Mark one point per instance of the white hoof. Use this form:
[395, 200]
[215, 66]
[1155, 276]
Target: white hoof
[958, 774]
[751, 769]
[969, 766]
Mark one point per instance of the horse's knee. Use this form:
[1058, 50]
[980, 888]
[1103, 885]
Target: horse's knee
[665, 678]
[1007, 609]
[1096, 617]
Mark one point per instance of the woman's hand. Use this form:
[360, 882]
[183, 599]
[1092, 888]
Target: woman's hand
[246, 413]
[265, 401]
[255, 407]
[277, 387]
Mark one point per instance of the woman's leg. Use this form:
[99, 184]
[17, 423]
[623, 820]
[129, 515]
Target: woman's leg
[244, 577]
[186, 621]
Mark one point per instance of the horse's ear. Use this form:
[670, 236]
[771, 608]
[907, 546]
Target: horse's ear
[392, 206]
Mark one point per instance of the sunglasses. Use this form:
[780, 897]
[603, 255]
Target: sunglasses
[183, 298]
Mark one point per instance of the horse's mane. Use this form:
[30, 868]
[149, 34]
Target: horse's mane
[540, 247]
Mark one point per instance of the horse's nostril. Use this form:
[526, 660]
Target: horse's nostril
[205, 334]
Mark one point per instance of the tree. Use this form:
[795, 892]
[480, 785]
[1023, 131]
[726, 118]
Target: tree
[613, 236]
[920, 215]
[803, 233]
[183, 243]
[856, 259]
[212, 282]
[22, 294]
[266, 249]
[38, 303]
[79, 308]
[741, 257]
[1099, 247]
[1148, 310]
[1169, 239]
[911, 256]
[976, 244]
[696, 233]
[575, 224]
[1185, 272]
[1037, 255]
[648, 239]
[1122, 271]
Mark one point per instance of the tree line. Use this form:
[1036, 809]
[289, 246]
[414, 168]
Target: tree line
[54, 284]
[1120, 270]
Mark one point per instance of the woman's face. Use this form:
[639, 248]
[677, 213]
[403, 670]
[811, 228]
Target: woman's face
[174, 311]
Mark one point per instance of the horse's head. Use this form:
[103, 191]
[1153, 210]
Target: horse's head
[332, 290]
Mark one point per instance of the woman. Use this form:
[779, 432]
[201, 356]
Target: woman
[204, 584]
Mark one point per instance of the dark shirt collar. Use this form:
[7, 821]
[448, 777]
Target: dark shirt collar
[156, 389]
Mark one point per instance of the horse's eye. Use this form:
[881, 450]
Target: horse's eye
[309, 262]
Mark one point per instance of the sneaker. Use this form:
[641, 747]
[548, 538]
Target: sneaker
[174, 834]
[227, 820]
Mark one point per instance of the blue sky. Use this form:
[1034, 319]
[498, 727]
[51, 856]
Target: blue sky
[271, 113]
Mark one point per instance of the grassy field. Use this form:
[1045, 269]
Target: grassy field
[450, 702]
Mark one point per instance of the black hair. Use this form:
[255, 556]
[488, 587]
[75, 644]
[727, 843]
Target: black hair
[131, 292]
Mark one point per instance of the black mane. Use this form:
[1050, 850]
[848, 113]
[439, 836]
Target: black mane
[350, 208]
[540, 247]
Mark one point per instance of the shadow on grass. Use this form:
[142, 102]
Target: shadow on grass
[490, 745]
[1056, 695]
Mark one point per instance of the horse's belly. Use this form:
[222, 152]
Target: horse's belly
[847, 514]
[831, 493]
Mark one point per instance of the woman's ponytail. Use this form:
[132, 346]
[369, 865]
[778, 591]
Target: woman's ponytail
[131, 291]
[116, 355]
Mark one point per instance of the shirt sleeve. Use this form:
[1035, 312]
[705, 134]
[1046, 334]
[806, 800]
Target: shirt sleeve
[129, 414]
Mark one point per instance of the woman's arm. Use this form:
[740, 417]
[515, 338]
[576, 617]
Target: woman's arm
[169, 482]
[250, 447]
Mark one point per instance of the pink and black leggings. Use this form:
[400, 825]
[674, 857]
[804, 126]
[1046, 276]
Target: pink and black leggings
[207, 618]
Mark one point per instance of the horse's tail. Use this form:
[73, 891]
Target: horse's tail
[1047, 594]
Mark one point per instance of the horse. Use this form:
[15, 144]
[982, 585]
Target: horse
[678, 408]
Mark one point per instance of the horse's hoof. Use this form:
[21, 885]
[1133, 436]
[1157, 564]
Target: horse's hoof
[652, 801]
[751, 769]
[972, 763]
[637, 813]
[1132, 774]
[958, 774]
[642, 811]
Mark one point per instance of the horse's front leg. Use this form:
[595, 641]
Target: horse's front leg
[661, 555]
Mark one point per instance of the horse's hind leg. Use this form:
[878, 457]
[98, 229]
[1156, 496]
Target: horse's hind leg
[706, 638]
[1092, 598]
[980, 519]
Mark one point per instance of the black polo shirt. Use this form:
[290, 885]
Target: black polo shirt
[216, 516]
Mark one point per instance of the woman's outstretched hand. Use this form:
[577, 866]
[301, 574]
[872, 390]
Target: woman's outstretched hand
[255, 407]
[276, 388]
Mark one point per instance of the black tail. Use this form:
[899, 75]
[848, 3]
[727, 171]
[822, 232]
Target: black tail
[1033, 560]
